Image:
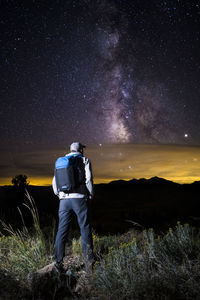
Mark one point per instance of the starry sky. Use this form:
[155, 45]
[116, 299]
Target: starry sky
[100, 72]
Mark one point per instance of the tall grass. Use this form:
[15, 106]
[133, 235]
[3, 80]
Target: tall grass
[166, 267]
[131, 266]
[101, 245]
[22, 251]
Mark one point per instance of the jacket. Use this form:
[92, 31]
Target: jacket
[88, 184]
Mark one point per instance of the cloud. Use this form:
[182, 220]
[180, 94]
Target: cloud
[177, 163]
[110, 162]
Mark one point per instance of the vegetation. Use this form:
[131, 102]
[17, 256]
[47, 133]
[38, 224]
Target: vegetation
[166, 267]
[22, 251]
[20, 181]
[135, 265]
[101, 244]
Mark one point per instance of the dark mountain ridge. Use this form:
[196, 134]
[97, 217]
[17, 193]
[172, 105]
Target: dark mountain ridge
[153, 202]
[153, 180]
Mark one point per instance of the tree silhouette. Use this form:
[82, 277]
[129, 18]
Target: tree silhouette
[20, 181]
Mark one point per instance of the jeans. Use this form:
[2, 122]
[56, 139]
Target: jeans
[80, 207]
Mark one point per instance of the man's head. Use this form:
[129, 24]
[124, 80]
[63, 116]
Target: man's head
[77, 147]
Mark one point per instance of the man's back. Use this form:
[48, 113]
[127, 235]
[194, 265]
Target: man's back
[83, 173]
[75, 201]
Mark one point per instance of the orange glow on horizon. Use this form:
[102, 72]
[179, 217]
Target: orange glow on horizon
[47, 181]
[180, 164]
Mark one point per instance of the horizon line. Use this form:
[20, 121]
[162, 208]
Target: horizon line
[115, 180]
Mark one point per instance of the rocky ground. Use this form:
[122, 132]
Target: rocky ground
[73, 282]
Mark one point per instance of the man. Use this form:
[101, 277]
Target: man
[76, 200]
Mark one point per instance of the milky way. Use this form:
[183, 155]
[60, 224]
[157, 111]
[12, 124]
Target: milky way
[100, 72]
[113, 106]
[134, 108]
[113, 95]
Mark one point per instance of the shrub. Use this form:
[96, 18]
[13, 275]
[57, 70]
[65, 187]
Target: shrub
[21, 251]
[19, 257]
[101, 244]
[166, 267]
[20, 181]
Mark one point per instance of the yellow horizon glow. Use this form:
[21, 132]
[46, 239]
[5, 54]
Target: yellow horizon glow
[179, 164]
[47, 181]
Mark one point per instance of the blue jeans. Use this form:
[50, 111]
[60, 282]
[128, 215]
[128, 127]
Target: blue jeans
[80, 207]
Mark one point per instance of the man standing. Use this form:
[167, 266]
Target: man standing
[75, 199]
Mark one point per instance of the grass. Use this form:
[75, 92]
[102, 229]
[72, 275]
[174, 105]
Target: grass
[156, 267]
[24, 251]
[135, 265]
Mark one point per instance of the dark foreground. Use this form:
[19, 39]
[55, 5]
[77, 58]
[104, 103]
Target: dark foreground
[117, 206]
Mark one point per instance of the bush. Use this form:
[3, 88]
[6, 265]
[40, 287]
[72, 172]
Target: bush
[131, 266]
[101, 244]
[166, 267]
[22, 252]
[20, 181]
[20, 257]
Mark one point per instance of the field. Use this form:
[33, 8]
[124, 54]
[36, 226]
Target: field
[135, 262]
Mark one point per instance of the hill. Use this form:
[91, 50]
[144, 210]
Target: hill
[154, 202]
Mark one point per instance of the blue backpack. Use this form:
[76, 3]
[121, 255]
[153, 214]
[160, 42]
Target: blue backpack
[66, 173]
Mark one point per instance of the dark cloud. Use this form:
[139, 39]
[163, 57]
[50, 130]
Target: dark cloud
[111, 162]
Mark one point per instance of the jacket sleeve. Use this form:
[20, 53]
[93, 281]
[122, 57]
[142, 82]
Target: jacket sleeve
[54, 186]
[89, 177]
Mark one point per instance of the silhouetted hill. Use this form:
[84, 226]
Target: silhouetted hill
[153, 180]
[153, 202]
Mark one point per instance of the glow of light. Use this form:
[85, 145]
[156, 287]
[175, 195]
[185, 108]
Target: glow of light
[109, 162]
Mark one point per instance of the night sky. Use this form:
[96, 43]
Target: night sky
[99, 72]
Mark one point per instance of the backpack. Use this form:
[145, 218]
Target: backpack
[66, 173]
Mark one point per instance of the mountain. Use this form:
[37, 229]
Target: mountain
[153, 180]
[153, 202]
